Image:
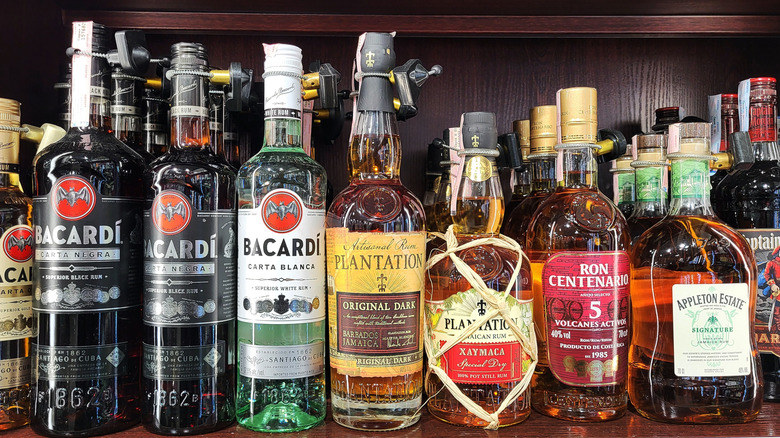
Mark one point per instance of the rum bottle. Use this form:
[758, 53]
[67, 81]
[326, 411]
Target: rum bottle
[190, 250]
[729, 123]
[281, 293]
[16, 262]
[577, 244]
[520, 181]
[652, 184]
[87, 210]
[155, 123]
[750, 202]
[126, 120]
[623, 182]
[433, 176]
[543, 136]
[441, 206]
[376, 262]
[486, 366]
[693, 357]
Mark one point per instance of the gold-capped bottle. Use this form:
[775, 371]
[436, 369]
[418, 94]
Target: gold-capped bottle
[578, 243]
[693, 356]
[16, 261]
[487, 366]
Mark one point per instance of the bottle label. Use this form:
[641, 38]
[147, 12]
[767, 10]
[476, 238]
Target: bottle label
[650, 184]
[766, 247]
[184, 362]
[88, 249]
[189, 263]
[763, 118]
[189, 111]
[586, 308]
[153, 127]
[79, 363]
[711, 330]
[281, 261]
[229, 136]
[478, 169]
[16, 286]
[14, 372]
[375, 292]
[282, 97]
[279, 362]
[690, 179]
[9, 145]
[129, 110]
[624, 187]
[493, 353]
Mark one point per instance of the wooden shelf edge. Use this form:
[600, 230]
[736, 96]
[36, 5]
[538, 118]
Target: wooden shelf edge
[435, 25]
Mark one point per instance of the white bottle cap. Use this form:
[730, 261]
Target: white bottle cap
[282, 57]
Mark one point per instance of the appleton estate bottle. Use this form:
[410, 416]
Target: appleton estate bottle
[376, 262]
[16, 263]
[542, 164]
[87, 209]
[578, 244]
[693, 355]
[750, 202]
[281, 271]
[190, 240]
[488, 365]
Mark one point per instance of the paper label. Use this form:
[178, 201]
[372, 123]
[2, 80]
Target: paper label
[281, 362]
[16, 283]
[766, 247]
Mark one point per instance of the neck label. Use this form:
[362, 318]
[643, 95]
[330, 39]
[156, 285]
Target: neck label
[690, 179]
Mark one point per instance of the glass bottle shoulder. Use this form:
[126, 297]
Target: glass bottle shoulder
[574, 219]
[381, 205]
[15, 208]
[291, 170]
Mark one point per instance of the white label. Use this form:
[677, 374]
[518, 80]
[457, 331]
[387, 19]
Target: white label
[711, 330]
[215, 126]
[278, 362]
[153, 127]
[81, 73]
[281, 261]
[15, 372]
[282, 97]
[230, 136]
[125, 109]
[189, 110]
[743, 101]
[715, 128]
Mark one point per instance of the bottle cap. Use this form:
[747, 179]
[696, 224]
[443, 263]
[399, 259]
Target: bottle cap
[650, 147]
[578, 115]
[510, 151]
[689, 138]
[10, 112]
[478, 131]
[523, 130]
[189, 55]
[377, 54]
[542, 129]
[283, 57]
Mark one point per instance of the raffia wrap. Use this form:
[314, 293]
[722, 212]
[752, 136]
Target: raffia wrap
[497, 307]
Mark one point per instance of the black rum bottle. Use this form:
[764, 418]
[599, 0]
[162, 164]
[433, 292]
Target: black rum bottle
[190, 267]
[87, 209]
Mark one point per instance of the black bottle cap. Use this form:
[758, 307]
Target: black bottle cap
[510, 151]
[101, 43]
[435, 149]
[741, 150]
[479, 131]
[619, 144]
[376, 56]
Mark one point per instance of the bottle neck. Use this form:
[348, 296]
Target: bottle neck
[480, 203]
[543, 173]
[690, 188]
[651, 191]
[189, 111]
[577, 166]
[90, 101]
[522, 180]
[9, 153]
[375, 149]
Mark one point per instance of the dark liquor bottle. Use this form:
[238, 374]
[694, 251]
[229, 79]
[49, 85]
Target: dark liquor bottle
[500, 361]
[190, 267]
[665, 117]
[433, 177]
[651, 183]
[448, 161]
[87, 209]
[126, 118]
[281, 324]
[376, 263]
[542, 158]
[729, 123]
[577, 244]
[156, 132]
[750, 202]
[520, 181]
[16, 263]
[231, 146]
[623, 182]
[693, 356]
[62, 89]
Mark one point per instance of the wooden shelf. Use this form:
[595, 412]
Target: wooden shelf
[537, 425]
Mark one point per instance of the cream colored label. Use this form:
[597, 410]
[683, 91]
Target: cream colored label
[9, 147]
[375, 300]
[14, 372]
[16, 283]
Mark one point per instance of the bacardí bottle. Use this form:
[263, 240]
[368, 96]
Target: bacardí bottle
[376, 263]
[87, 210]
[189, 267]
[16, 266]
[281, 315]
[126, 120]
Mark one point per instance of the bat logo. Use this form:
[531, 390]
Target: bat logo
[73, 198]
[171, 212]
[281, 210]
[18, 243]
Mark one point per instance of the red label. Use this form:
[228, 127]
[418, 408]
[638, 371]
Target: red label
[484, 363]
[282, 211]
[171, 212]
[73, 198]
[378, 324]
[586, 299]
[763, 122]
[18, 243]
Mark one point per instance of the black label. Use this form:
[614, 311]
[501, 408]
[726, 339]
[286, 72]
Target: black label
[189, 263]
[87, 249]
[79, 363]
[184, 363]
